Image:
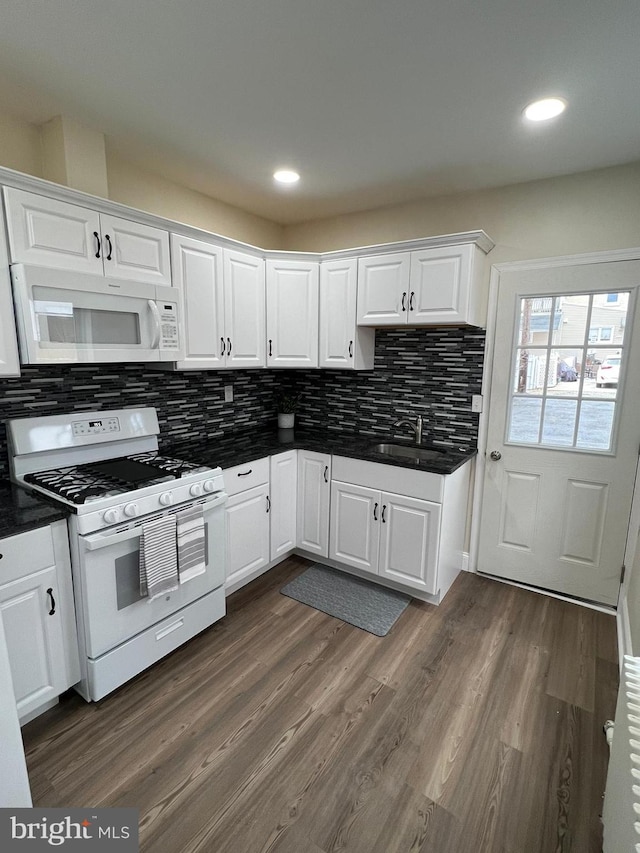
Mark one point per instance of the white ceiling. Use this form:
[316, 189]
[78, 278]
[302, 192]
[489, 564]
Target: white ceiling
[373, 102]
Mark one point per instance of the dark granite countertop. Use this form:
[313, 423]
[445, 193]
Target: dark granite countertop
[21, 510]
[247, 445]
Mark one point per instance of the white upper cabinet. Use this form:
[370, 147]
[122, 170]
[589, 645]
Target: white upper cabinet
[383, 289]
[343, 344]
[432, 286]
[197, 273]
[222, 304]
[53, 233]
[292, 313]
[244, 309]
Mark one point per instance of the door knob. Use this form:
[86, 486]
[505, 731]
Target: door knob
[495, 455]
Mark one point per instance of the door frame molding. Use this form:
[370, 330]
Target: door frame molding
[587, 258]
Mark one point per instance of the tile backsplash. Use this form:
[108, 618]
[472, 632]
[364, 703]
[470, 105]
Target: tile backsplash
[432, 372]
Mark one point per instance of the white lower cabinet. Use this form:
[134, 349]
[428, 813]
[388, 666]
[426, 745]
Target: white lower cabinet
[314, 481]
[404, 526]
[389, 535]
[246, 520]
[36, 600]
[283, 479]
[260, 515]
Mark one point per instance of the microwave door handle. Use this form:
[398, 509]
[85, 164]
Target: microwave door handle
[155, 343]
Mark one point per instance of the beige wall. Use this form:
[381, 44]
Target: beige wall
[20, 147]
[576, 213]
[131, 185]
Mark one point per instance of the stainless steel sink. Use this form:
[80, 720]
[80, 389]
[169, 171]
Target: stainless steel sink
[405, 451]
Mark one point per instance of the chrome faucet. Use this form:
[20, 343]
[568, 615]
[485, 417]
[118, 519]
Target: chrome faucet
[416, 427]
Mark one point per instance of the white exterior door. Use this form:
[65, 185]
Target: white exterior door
[292, 313]
[53, 233]
[383, 289]
[355, 520]
[314, 479]
[244, 300]
[197, 273]
[561, 451]
[409, 533]
[34, 638]
[247, 533]
[135, 252]
[284, 480]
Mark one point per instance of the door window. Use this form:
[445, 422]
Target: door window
[568, 361]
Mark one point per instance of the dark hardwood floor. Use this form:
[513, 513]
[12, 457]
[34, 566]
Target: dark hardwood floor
[473, 727]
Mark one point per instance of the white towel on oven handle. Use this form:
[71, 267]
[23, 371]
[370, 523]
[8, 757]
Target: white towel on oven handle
[191, 543]
[158, 562]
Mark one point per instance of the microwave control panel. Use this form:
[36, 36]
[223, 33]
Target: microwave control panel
[169, 325]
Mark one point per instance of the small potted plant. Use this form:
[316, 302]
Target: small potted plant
[287, 403]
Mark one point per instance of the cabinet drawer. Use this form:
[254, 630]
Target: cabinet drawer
[242, 477]
[389, 478]
[25, 554]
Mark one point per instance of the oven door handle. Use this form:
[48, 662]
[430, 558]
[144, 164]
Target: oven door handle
[155, 313]
[104, 540]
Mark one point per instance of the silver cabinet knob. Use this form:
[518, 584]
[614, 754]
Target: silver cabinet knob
[495, 455]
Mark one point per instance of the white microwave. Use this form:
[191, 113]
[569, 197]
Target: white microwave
[78, 317]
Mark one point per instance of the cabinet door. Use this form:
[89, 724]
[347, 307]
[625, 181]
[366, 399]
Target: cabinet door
[383, 289]
[409, 534]
[135, 252]
[314, 478]
[292, 313]
[440, 282]
[355, 522]
[247, 533]
[34, 638]
[244, 301]
[52, 233]
[343, 345]
[197, 273]
[283, 480]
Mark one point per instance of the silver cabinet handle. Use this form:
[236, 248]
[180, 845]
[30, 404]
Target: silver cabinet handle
[495, 455]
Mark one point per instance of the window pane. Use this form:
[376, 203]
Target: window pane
[530, 371]
[535, 314]
[559, 422]
[525, 420]
[564, 372]
[596, 424]
[570, 320]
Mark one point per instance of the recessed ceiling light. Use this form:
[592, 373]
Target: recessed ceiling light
[545, 109]
[286, 176]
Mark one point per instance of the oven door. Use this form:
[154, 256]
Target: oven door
[107, 580]
[74, 317]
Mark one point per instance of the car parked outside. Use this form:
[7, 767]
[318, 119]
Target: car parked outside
[608, 371]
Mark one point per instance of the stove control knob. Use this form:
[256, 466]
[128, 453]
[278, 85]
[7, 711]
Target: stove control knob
[195, 490]
[209, 485]
[166, 499]
[131, 510]
[110, 516]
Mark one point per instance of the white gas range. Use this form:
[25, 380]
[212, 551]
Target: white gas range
[106, 468]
